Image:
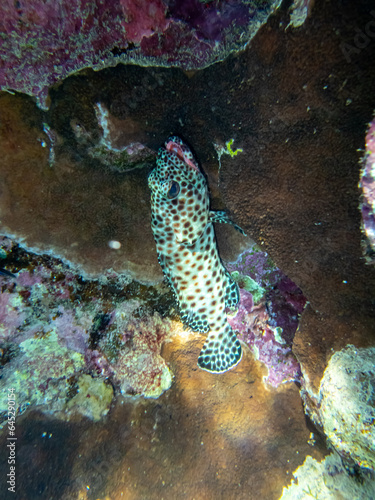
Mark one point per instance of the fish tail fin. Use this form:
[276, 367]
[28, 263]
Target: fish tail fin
[221, 351]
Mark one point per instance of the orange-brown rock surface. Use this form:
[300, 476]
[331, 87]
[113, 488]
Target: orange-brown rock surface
[295, 186]
[70, 209]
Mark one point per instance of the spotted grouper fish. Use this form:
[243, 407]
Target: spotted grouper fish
[182, 224]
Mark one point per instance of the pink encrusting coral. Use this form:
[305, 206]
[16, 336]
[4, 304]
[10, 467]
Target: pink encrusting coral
[129, 352]
[367, 205]
[144, 18]
[268, 313]
[44, 42]
[252, 324]
[36, 302]
[139, 368]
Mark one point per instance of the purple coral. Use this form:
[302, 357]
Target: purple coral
[268, 317]
[210, 19]
[258, 266]
[367, 183]
[44, 42]
[285, 304]
[252, 327]
[143, 18]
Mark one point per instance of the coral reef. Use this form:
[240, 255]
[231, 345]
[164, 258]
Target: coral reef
[133, 358]
[94, 210]
[93, 399]
[268, 313]
[345, 407]
[292, 102]
[267, 343]
[367, 183]
[83, 205]
[64, 342]
[206, 437]
[327, 480]
[293, 188]
[40, 374]
[41, 44]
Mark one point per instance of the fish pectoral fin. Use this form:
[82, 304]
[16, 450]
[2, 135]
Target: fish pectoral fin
[232, 292]
[221, 217]
[219, 355]
[194, 321]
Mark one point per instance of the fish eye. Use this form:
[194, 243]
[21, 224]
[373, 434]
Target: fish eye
[173, 191]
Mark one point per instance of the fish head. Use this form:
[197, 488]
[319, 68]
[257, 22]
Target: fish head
[179, 198]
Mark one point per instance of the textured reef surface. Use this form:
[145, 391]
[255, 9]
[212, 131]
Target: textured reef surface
[367, 183]
[57, 328]
[109, 400]
[43, 43]
[268, 313]
[325, 480]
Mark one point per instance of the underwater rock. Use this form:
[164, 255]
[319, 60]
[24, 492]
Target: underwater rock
[345, 407]
[367, 205]
[39, 375]
[294, 188]
[327, 480]
[54, 326]
[93, 399]
[134, 358]
[42, 44]
[82, 206]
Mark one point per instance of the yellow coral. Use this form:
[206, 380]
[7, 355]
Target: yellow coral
[229, 149]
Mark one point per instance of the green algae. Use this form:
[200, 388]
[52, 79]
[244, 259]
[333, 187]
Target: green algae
[39, 375]
[92, 400]
[250, 285]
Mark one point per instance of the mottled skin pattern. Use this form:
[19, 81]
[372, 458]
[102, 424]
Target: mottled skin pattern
[187, 252]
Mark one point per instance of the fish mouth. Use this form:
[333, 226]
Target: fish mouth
[175, 146]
